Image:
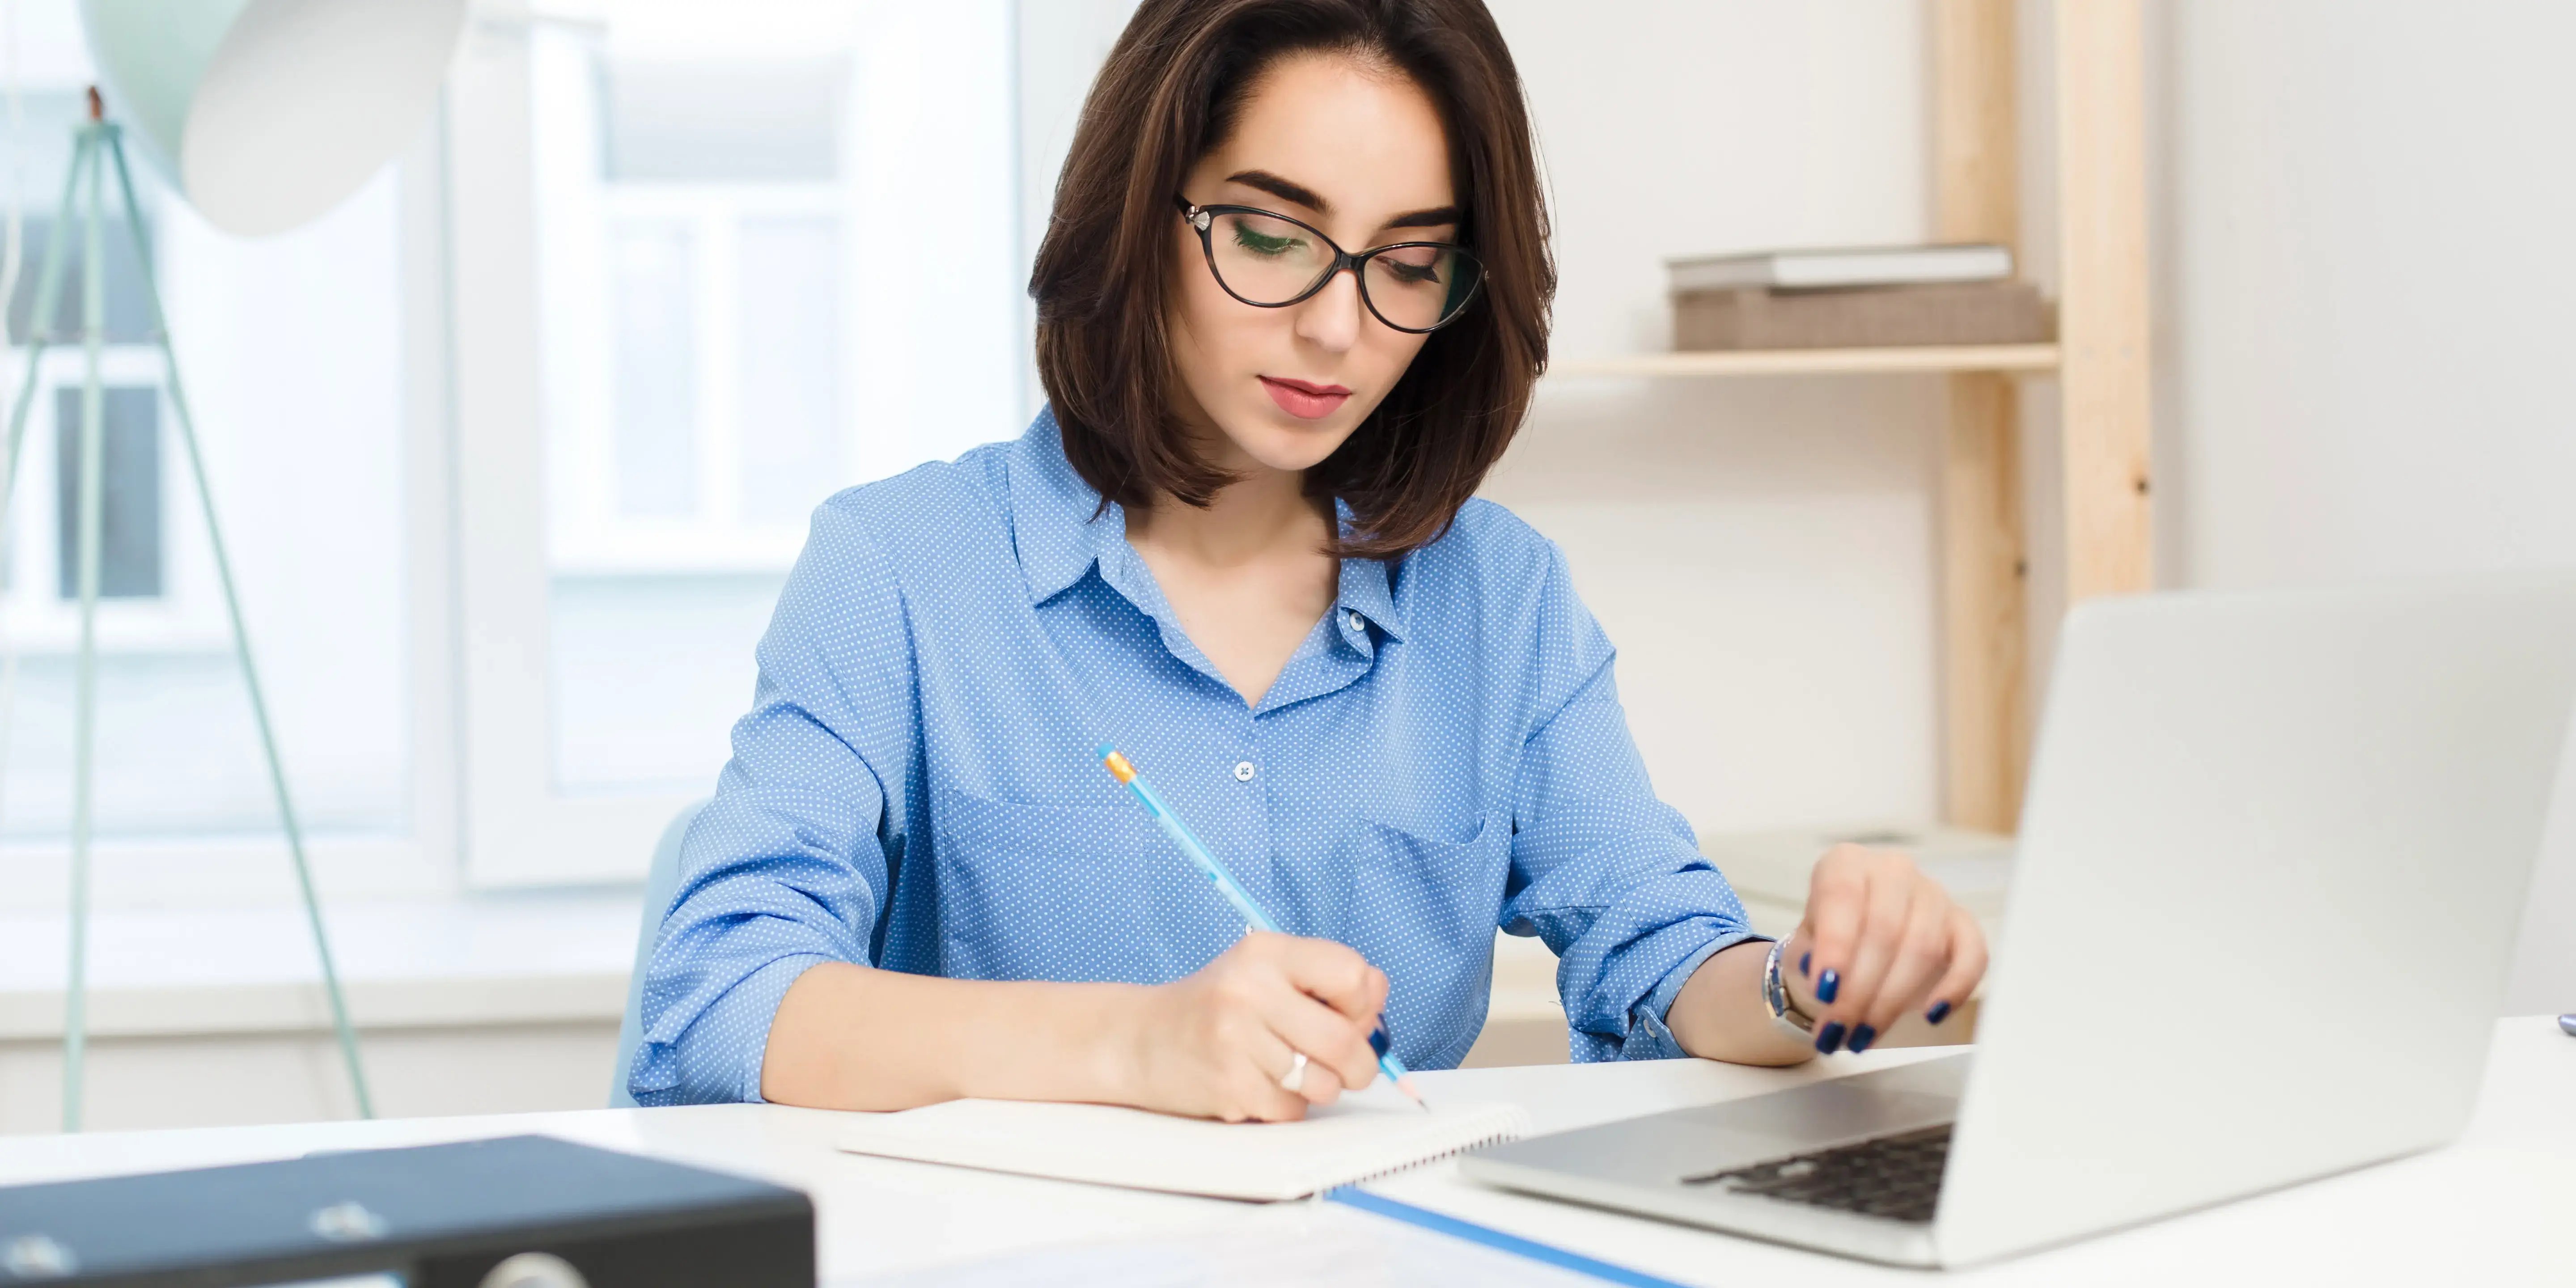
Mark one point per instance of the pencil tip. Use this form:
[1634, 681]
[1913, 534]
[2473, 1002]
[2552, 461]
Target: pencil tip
[1406, 1086]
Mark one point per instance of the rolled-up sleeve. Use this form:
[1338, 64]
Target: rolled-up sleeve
[786, 867]
[1609, 876]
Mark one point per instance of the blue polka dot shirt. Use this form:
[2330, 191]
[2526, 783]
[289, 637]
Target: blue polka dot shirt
[916, 786]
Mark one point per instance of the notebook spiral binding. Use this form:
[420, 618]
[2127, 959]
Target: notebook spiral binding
[1513, 1131]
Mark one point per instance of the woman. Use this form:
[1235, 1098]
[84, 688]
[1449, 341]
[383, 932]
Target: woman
[1241, 546]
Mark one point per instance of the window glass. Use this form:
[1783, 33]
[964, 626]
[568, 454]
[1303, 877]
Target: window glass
[127, 312]
[654, 401]
[678, 119]
[129, 557]
[789, 365]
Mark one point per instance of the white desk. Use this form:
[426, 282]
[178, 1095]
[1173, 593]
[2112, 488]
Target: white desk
[2491, 1209]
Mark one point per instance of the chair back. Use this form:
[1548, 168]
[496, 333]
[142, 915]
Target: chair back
[661, 884]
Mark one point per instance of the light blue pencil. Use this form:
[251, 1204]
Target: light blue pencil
[1236, 895]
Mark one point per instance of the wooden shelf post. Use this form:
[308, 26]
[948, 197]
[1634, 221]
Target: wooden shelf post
[1984, 630]
[2102, 305]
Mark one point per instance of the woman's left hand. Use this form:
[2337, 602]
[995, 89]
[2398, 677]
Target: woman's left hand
[1880, 941]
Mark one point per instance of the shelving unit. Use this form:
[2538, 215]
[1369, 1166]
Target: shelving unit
[2099, 363]
[1820, 362]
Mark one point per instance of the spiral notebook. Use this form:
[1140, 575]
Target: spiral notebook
[1137, 1149]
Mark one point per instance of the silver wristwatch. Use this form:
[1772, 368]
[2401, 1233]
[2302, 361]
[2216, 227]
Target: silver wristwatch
[1793, 1024]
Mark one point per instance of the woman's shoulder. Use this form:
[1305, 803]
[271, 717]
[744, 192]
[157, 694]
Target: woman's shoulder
[926, 498]
[1494, 582]
[929, 514]
[1488, 545]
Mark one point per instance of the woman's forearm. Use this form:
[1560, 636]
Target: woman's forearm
[1720, 1015]
[853, 1037]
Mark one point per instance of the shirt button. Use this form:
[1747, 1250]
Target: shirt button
[1359, 624]
[1243, 771]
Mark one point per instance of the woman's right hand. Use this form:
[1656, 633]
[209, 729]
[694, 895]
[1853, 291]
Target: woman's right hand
[1217, 1043]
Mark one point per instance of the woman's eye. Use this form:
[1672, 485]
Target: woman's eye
[1260, 245]
[1411, 274]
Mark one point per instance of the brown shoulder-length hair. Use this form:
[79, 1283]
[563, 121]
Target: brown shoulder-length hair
[1169, 93]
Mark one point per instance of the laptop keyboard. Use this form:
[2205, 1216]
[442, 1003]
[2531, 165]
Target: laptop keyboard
[1897, 1177]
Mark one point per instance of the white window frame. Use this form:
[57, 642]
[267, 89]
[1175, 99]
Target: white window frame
[937, 79]
[517, 827]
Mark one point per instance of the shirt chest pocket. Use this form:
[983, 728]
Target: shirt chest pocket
[1409, 880]
[1066, 891]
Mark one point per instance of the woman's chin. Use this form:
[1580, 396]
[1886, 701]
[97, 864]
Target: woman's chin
[1277, 442]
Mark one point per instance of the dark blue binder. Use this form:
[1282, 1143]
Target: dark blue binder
[440, 1216]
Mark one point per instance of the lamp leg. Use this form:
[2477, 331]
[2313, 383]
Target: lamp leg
[93, 480]
[112, 145]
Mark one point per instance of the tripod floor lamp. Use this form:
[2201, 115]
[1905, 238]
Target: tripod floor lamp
[263, 114]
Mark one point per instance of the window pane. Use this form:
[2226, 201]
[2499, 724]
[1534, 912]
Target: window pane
[128, 312]
[657, 354]
[720, 121]
[129, 565]
[789, 271]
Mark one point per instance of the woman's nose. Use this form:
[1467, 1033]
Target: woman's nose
[1331, 317]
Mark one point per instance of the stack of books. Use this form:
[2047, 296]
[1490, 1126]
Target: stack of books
[1854, 298]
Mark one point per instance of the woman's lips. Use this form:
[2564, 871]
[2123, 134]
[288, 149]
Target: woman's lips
[1305, 401]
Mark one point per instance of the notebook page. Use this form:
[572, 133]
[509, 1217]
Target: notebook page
[1138, 1149]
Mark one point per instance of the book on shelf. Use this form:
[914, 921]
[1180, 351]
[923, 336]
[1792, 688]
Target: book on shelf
[1861, 317]
[1842, 266]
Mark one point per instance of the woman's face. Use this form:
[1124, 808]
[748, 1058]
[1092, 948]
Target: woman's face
[1356, 150]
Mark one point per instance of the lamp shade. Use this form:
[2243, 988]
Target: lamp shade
[265, 113]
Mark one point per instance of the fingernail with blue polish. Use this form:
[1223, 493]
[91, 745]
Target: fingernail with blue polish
[1830, 983]
[1940, 1011]
[1861, 1038]
[1829, 1037]
[1803, 959]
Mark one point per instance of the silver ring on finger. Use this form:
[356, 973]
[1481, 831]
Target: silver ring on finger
[1295, 1078]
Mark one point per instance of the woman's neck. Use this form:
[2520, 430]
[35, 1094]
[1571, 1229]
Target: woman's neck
[1248, 575]
[1262, 515]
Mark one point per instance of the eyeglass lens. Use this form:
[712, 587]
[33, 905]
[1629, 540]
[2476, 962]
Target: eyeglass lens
[1268, 260]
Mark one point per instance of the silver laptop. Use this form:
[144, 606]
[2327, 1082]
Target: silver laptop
[2269, 877]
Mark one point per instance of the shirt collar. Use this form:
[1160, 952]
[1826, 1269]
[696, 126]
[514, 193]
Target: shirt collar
[1057, 521]
[1062, 531]
[1368, 585]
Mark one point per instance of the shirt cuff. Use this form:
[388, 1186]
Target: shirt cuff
[1651, 1037]
[720, 1057]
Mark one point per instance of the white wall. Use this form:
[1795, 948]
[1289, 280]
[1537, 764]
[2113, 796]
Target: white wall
[2364, 264]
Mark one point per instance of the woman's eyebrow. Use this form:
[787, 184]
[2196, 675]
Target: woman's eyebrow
[1432, 218]
[1291, 191]
[1282, 189]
